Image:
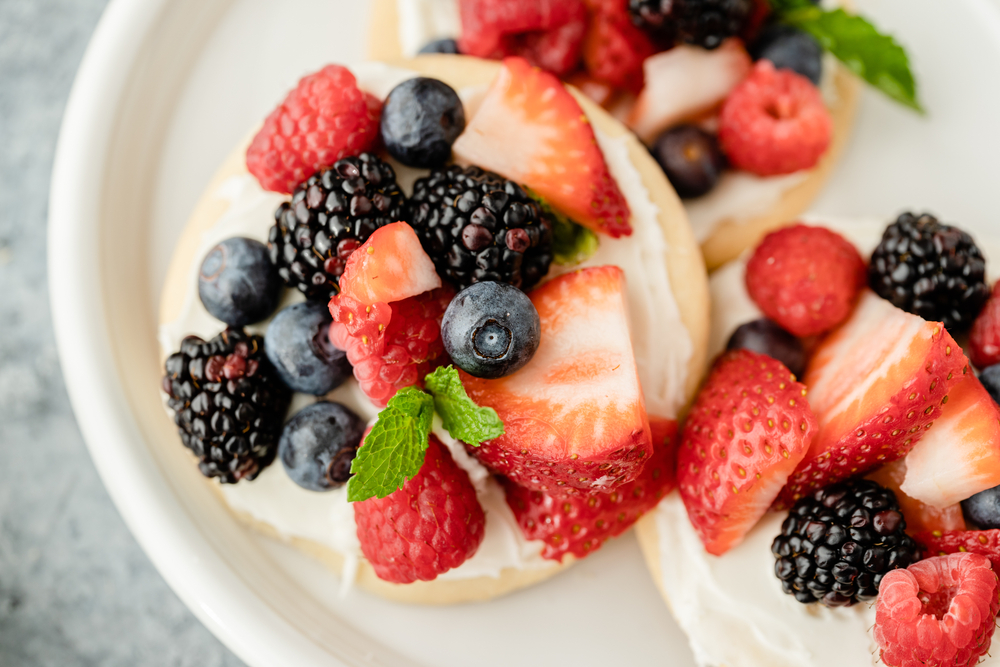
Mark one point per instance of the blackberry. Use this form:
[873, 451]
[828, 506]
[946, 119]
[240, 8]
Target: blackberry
[329, 216]
[477, 226]
[930, 269]
[837, 544]
[228, 403]
[705, 23]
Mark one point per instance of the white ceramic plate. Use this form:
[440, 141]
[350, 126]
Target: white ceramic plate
[165, 90]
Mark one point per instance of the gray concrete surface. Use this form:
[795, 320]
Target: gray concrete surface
[75, 588]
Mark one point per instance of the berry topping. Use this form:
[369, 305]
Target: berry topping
[706, 23]
[837, 544]
[390, 266]
[298, 345]
[326, 118]
[748, 428]
[421, 119]
[330, 215]
[431, 524]
[228, 403]
[774, 122]
[490, 330]
[614, 50]
[790, 48]
[449, 46]
[579, 525]
[765, 337]
[530, 129]
[807, 279]
[982, 542]
[691, 159]
[984, 339]
[574, 416]
[940, 611]
[318, 444]
[930, 269]
[983, 509]
[237, 282]
[875, 384]
[919, 516]
[477, 226]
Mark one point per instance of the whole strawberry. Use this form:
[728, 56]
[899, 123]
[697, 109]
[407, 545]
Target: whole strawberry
[748, 429]
[807, 279]
[984, 339]
[433, 524]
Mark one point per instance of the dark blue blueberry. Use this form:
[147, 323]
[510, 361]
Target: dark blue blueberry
[990, 377]
[983, 509]
[237, 283]
[420, 121]
[765, 337]
[691, 159]
[318, 444]
[491, 329]
[441, 46]
[298, 345]
[790, 48]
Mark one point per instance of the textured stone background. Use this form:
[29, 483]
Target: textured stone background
[75, 588]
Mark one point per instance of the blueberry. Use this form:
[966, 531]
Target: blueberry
[441, 46]
[691, 159]
[491, 329]
[318, 444]
[298, 345]
[237, 282]
[765, 337]
[790, 48]
[420, 121]
[990, 377]
[983, 509]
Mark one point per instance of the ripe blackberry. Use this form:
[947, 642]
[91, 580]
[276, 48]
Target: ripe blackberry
[329, 216]
[930, 269]
[706, 23]
[478, 226]
[837, 544]
[228, 403]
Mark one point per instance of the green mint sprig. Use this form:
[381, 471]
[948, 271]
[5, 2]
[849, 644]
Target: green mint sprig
[461, 417]
[571, 243]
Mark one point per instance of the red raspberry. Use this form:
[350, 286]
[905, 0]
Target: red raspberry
[774, 122]
[984, 339]
[940, 611]
[807, 279]
[432, 524]
[614, 50]
[323, 120]
[391, 346]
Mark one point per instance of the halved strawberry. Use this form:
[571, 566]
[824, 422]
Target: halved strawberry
[919, 516]
[530, 129]
[983, 542]
[390, 266]
[748, 429]
[875, 383]
[960, 455]
[574, 416]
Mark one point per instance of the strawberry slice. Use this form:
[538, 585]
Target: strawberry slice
[390, 266]
[876, 383]
[919, 516]
[574, 416]
[748, 429]
[530, 129]
[982, 542]
[960, 456]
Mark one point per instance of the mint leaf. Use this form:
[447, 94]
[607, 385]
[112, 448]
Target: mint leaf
[875, 57]
[394, 449]
[571, 243]
[462, 418]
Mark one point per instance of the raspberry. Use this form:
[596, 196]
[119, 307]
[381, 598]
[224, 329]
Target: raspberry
[614, 50]
[391, 346]
[324, 119]
[940, 611]
[774, 122]
[432, 524]
[806, 279]
[984, 339]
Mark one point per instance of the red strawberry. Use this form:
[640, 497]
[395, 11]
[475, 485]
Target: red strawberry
[574, 416]
[579, 525]
[875, 384]
[614, 50]
[941, 542]
[920, 516]
[323, 120]
[938, 612]
[556, 50]
[960, 455]
[390, 266]
[747, 430]
[806, 279]
[432, 524]
[530, 129]
[984, 338]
